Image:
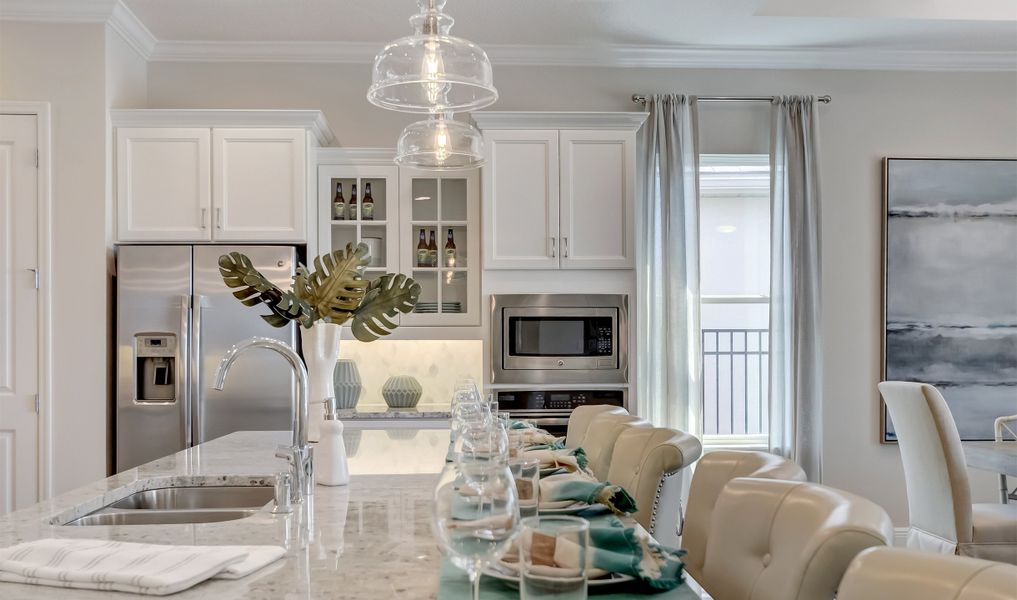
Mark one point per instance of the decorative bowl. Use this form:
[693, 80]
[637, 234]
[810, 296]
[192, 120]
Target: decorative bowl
[402, 391]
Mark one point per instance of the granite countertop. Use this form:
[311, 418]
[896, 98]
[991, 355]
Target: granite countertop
[421, 411]
[368, 540]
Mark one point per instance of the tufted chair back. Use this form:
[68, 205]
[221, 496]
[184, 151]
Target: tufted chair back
[713, 471]
[648, 462]
[601, 437]
[900, 574]
[579, 421]
[787, 540]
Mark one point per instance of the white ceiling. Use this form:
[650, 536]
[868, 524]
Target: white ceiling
[912, 25]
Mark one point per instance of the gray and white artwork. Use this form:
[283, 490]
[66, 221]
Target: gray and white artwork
[951, 285]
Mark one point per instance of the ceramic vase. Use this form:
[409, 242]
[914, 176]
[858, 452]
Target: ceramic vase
[401, 391]
[320, 346]
[347, 384]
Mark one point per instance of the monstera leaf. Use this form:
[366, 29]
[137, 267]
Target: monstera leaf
[253, 288]
[336, 287]
[386, 296]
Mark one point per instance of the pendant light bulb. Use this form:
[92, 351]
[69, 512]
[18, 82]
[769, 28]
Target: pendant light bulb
[440, 143]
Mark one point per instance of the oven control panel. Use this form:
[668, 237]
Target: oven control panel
[556, 400]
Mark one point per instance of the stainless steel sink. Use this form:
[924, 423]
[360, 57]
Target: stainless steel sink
[179, 505]
[160, 517]
[176, 498]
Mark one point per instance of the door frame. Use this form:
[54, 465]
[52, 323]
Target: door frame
[41, 110]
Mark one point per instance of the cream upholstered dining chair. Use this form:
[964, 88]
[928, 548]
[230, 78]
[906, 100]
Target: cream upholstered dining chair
[942, 518]
[712, 473]
[648, 462]
[786, 540]
[579, 421]
[902, 574]
[601, 437]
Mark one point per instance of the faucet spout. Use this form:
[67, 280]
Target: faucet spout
[300, 454]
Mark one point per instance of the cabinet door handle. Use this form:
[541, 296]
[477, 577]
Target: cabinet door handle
[204, 218]
[218, 218]
[554, 247]
[565, 247]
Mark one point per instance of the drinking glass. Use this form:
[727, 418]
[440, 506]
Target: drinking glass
[552, 558]
[476, 516]
[484, 441]
[526, 472]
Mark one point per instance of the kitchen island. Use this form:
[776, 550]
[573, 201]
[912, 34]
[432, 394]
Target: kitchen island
[369, 540]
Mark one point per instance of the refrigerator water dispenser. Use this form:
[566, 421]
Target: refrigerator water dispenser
[156, 367]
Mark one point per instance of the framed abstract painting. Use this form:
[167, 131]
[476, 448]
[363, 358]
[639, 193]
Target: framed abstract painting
[950, 285]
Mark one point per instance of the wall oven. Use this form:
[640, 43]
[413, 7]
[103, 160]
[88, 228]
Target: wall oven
[559, 338]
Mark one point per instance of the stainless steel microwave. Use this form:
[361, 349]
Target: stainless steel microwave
[559, 338]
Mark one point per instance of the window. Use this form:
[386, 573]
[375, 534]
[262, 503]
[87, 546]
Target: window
[735, 286]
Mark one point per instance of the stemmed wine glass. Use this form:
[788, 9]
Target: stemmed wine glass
[476, 515]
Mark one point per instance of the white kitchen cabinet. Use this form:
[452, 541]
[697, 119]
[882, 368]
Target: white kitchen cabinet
[597, 199]
[163, 177]
[559, 190]
[522, 207]
[407, 201]
[440, 205]
[216, 175]
[259, 187]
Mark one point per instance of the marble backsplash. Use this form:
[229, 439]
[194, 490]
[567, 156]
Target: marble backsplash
[437, 365]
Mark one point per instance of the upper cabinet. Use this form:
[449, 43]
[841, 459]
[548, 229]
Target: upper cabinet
[559, 190]
[164, 184]
[215, 176]
[259, 188]
[424, 224]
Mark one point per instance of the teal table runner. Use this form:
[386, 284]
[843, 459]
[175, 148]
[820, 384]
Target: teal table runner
[453, 584]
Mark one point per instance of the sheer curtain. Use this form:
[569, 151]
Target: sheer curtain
[668, 365]
[796, 415]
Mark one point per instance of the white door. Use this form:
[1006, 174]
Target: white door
[259, 189]
[597, 199]
[19, 326]
[521, 200]
[163, 184]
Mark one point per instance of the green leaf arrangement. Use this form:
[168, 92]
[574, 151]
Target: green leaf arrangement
[334, 292]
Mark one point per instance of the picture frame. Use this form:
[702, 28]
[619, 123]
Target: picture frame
[938, 214]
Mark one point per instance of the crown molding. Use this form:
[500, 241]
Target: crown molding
[356, 156]
[123, 21]
[642, 56]
[492, 119]
[670, 57]
[312, 120]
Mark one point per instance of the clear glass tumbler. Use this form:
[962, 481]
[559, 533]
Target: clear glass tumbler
[552, 558]
[526, 472]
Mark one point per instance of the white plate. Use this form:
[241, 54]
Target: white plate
[508, 576]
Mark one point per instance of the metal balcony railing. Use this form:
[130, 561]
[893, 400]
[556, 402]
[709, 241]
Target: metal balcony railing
[735, 381]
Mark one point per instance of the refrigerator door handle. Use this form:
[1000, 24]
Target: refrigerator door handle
[197, 302]
[183, 359]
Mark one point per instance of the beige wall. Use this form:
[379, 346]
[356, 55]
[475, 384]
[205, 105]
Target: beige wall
[873, 114]
[67, 70]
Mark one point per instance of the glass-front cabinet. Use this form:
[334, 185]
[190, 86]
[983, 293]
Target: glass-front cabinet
[360, 204]
[423, 224]
[440, 246]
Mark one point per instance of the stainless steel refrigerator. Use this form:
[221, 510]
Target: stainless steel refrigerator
[175, 320]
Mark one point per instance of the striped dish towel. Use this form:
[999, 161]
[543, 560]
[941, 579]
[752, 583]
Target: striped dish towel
[151, 569]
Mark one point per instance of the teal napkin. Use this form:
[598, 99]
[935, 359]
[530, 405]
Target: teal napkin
[619, 549]
[573, 459]
[563, 489]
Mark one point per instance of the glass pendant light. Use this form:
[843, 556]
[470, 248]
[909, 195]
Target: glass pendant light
[432, 71]
[440, 143]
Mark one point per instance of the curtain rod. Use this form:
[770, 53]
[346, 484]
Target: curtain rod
[641, 99]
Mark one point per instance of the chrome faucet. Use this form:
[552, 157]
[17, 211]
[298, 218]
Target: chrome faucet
[298, 453]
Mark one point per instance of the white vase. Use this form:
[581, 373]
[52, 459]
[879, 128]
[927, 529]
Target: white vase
[321, 351]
